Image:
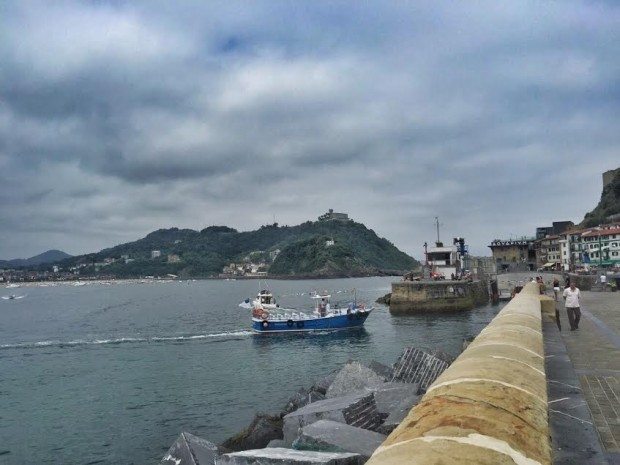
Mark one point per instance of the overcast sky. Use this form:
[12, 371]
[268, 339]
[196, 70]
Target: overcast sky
[118, 118]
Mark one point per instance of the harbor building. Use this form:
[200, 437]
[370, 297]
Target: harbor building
[514, 254]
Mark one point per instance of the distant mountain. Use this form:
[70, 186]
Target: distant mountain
[608, 205]
[320, 249]
[51, 256]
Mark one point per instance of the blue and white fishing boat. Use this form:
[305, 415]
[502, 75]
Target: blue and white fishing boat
[323, 317]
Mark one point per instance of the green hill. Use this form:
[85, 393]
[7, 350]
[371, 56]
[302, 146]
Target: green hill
[303, 251]
[607, 206]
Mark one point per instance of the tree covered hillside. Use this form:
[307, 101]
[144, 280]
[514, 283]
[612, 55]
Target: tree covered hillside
[357, 250]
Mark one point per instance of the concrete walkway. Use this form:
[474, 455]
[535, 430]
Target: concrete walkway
[594, 350]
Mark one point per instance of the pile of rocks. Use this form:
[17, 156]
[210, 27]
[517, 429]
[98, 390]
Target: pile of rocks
[341, 419]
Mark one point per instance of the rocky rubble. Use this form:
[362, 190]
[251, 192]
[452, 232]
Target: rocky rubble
[341, 419]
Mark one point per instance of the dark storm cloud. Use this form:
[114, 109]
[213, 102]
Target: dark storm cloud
[117, 118]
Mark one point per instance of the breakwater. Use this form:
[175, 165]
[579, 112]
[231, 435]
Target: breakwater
[341, 419]
[410, 297]
[490, 405]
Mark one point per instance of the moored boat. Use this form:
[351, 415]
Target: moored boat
[322, 317]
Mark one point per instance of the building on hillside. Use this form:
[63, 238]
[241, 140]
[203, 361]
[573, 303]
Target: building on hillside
[601, 246]
[514, 254]
[155, 253]
[173, 258]
[332, 215]
[595, 246]
[570, 249]
[547, 252]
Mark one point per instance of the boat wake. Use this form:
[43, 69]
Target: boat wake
[126, 340]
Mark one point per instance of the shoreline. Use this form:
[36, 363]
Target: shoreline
[87, 281]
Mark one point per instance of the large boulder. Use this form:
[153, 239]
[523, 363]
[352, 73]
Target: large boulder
[353, 377]
[388, 396]
[420, 367]
[276, 443]
[191, 450]
[323, 384]
[397, 414]
[357, 409]
[280, 456]
[263, 429]
[332, 436]
[303, 397]
[381, 370]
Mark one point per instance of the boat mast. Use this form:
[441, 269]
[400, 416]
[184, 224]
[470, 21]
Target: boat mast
[437, 224]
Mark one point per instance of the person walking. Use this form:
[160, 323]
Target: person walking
[556, 287]
[572, 298]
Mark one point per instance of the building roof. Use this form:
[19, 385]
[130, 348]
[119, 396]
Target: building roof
[601, 232]
[547, 238]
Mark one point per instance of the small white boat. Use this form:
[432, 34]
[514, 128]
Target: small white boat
[13, 297]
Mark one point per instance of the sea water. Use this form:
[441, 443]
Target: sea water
[109, 374]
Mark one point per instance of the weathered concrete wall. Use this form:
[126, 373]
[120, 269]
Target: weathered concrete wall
[429, 296]
[490, 406]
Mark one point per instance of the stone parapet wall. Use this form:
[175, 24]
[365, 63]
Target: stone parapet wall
[583, 281]
[490, 405]
[428, 296]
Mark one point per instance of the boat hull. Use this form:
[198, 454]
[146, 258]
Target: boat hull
[352, 320]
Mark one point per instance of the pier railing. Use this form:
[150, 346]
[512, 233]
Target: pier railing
[490, 405]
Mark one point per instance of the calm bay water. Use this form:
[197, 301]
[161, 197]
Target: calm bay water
[113, 373]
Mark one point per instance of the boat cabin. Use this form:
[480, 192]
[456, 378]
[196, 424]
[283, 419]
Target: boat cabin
[265, 297]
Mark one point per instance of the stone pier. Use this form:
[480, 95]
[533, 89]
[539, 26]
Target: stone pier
[490, 405]
[410, 297]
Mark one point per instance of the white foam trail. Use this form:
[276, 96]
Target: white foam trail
[123, 340]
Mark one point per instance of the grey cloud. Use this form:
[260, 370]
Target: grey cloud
[125, 117]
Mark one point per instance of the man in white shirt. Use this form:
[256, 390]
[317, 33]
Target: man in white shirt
[572, 303]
